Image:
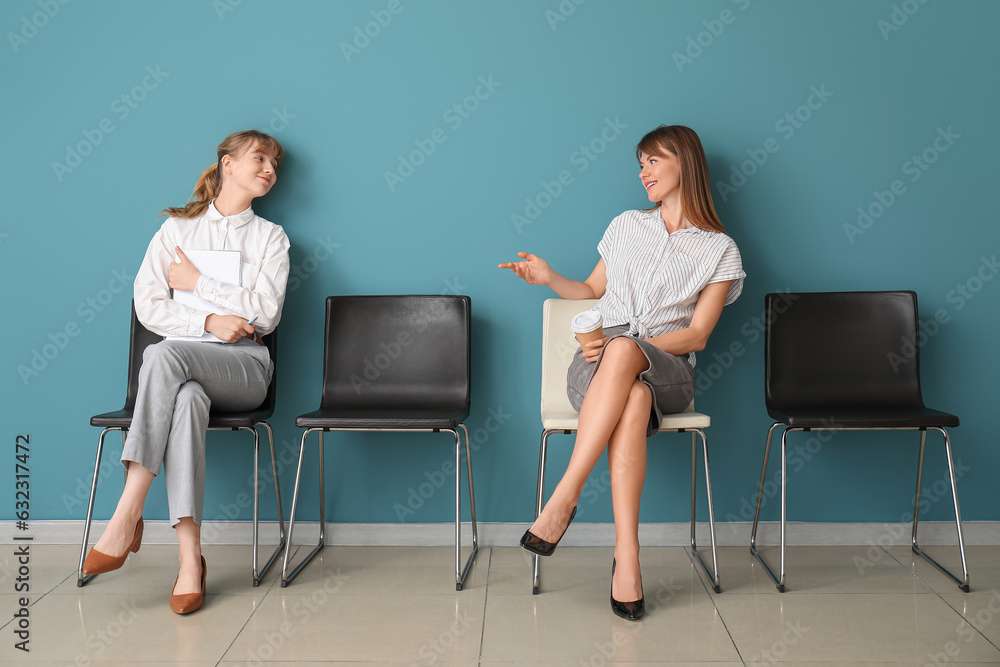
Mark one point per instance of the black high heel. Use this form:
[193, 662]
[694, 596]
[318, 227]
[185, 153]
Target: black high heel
[631, 611]
[537, 545]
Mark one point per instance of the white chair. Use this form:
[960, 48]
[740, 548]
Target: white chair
[558, 416]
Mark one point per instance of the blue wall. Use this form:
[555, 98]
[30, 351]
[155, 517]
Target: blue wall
[808, 112]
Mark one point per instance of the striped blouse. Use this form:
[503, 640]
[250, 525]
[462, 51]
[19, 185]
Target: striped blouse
[655, 278]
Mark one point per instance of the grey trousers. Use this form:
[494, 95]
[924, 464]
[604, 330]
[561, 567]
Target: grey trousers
[178, 383]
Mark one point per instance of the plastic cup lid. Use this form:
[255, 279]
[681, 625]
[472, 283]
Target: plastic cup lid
[587, 321]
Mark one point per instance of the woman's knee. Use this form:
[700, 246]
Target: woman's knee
[623, 352]
[192, 396]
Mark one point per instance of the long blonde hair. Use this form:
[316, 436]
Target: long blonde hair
[210, 182]
[696, 186]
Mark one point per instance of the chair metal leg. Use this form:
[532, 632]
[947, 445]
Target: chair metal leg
[778, 581]
[539, 495]
[460, 572]
[257, 576]
[964, 582]
[760, 488]
[258, 573]
[81, 578]
[713, 574]
[287, 576]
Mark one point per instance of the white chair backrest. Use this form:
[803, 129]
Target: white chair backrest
[559, 344]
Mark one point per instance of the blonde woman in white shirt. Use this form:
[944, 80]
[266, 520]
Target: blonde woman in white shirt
[664, 275]
[181, 379]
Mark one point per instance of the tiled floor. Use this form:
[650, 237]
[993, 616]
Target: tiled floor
[397, 605]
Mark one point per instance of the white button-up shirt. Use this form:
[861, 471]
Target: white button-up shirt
[655, 278]
[264, 249]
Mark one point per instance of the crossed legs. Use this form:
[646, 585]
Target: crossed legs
[614, 414]
[178, 384]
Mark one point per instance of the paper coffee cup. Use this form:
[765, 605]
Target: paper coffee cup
[588, 326]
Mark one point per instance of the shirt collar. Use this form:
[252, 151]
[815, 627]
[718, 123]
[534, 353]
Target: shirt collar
[654, 216]
[238, 220]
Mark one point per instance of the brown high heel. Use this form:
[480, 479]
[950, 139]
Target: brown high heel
[188, 602]
[99, 563]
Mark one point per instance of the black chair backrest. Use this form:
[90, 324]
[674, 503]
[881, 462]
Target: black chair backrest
[140, 338]
[841, 350]
[397, 352]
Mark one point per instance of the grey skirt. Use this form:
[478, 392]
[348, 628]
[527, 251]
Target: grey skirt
[669, 377]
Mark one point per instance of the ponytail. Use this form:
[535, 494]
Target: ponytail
[205, 190]
[209, 184]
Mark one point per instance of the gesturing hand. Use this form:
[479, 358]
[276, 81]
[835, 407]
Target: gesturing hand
[228, 328]
[183, 274]
[534, 270]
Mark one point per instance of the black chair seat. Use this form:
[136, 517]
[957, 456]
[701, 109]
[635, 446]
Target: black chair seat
[862, 417]
[245, 419]
[387, 418]
[116, 419]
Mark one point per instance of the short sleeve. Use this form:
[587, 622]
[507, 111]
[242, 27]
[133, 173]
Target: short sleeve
[730, 267]
[607, 244]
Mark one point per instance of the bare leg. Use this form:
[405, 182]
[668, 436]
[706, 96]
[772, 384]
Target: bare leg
[602, 408]
[627, 464]
[189, 540]
[121, 528]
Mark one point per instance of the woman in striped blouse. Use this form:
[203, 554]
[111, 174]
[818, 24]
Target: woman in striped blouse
[663, 277]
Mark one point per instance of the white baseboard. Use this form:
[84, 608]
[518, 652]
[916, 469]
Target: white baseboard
[508, 534]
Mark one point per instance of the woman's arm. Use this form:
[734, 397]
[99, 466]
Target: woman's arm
[536, 271]
[153, 306]
[264, 299]
[706, 315]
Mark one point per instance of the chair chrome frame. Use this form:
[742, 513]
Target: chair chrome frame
[779, 580]
[713, 573]
[83, 579]
[460, 572]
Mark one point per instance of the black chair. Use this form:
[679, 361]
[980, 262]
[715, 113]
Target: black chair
[121, 420]
[393, 363]
[847, 361]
